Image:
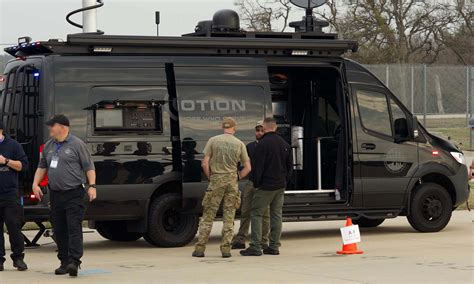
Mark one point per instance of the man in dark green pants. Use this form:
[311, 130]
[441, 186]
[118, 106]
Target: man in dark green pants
[272, 169]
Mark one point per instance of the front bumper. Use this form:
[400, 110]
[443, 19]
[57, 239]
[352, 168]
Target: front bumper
[461, 185]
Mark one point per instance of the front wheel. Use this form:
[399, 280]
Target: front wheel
[431, 208]
[167, 226]
[368, 223]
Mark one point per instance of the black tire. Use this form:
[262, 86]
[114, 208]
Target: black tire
[431, 208]
[116, 231]
[368, 223]
[167, 227]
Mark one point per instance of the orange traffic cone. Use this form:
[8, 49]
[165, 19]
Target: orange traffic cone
[350, 248]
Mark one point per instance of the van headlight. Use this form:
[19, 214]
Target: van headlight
[459, 157]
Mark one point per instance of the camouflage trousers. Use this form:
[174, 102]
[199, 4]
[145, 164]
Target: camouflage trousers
[223, 188]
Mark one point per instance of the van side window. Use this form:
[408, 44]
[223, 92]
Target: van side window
[374, 112]
[397, 112]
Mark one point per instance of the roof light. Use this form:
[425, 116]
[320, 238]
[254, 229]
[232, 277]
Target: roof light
[102, 49]
[299, 52]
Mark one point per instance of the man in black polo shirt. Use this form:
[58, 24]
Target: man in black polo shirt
[271, 170]
[12, 161]
[69, 166]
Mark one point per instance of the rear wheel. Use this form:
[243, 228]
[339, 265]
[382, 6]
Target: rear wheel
[116, 231]
[167, 226]
[431, 208]
[368, 223]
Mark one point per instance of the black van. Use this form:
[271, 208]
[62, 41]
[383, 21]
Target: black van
[147, 105]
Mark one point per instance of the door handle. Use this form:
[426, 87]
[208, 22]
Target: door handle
[368, 146]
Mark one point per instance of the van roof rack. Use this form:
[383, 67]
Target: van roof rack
[253, 43]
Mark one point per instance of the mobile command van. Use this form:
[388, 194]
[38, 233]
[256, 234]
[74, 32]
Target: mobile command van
[146, 106]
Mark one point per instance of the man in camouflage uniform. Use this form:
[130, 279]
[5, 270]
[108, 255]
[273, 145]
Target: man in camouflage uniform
[222, 155]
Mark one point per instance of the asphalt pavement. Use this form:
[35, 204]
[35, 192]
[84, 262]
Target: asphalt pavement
[393, 253]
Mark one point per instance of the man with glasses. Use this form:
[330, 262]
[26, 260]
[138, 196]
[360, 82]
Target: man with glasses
[247, 195]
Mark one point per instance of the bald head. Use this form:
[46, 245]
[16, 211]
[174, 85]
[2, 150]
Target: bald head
[269, 125]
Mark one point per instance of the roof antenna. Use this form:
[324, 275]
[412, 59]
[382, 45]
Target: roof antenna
[89, 16]
[309, 22]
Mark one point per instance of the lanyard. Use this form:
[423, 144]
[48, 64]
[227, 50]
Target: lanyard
[58, 147]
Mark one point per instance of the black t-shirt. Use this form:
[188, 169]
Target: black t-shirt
[11, 150]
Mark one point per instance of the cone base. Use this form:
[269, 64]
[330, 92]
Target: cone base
[350, 252]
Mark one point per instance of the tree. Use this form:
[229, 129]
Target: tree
[262, 15]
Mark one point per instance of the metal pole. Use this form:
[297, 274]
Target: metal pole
[470, 104]
[387, 75]
[412, 89]
[89, 17]
[319, 165]
[425, 93]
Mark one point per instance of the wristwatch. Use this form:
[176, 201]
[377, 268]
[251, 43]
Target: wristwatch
[6, 162]
[92, 185]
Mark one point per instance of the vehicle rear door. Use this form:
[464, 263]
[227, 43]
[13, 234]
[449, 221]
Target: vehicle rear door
[207, 90]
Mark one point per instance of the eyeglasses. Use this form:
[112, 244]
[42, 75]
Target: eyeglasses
[259, 129]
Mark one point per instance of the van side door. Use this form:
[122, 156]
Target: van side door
[207, 90]
[387, 156]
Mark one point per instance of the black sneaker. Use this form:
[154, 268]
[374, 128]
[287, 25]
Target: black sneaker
[1, 267]
[61, 270]
[226, 254]
[72, 269]
[238, 246]
[271, 251]
[20, 265]
[264, 246]
[198, 254]
[251, 252]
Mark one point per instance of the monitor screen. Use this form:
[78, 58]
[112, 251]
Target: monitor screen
[109, 118]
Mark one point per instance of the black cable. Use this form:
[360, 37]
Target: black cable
[98, 5]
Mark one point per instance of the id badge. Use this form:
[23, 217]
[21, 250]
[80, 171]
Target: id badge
[54, 162]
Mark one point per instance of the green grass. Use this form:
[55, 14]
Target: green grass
[454, 129]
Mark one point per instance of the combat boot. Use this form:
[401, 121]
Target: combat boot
[20, 265]
[72, 269]
[237, 245]
[271, 251]
[226, 254]
[1, 267]
[251, 252]
[61, 270]
[198, 253]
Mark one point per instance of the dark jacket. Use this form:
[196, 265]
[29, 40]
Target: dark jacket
[251, 152]
[272, 163]
[11, 150]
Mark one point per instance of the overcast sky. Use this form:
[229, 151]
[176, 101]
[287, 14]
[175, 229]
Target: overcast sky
[44, 19]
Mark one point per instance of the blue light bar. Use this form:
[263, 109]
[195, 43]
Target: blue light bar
[36, 74]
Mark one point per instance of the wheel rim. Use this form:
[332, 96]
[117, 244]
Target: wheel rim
[173, 221]
[432, 208]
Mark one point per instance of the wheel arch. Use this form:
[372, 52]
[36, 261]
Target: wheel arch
[438, 177]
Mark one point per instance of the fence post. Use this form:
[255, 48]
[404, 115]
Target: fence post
[387, 75]
[470, 104]
[412, 106]
[425, 93]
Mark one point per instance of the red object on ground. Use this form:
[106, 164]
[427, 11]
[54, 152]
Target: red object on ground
[350, 248]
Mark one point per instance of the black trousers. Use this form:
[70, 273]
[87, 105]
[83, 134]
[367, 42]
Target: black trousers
[67, 214]
[11, 214]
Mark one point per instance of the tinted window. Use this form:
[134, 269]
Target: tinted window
[397, 112]
[374, 112]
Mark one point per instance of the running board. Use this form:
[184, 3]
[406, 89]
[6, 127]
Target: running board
[315, 191]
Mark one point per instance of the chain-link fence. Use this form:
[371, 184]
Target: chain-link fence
[441, 96]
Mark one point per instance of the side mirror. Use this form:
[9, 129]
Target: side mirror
[401, 130]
